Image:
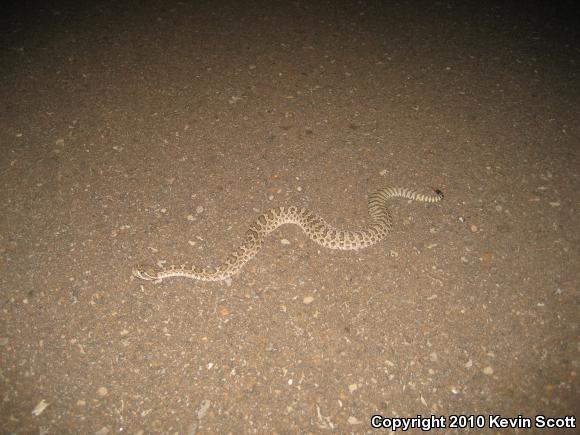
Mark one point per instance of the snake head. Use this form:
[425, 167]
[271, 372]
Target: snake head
[145, 272]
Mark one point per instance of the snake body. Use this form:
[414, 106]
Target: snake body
[313, 225]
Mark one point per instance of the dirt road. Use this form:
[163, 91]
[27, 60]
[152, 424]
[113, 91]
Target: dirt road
[154, 133]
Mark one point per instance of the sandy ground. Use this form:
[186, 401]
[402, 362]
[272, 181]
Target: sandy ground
[143, 134]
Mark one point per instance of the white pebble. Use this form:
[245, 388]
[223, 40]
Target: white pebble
[203, 408]
[39, 409]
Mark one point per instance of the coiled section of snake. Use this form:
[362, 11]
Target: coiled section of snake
[313, 225]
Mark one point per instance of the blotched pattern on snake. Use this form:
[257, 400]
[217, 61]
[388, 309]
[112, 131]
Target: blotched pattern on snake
[313, 225]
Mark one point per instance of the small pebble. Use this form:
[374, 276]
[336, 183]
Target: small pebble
[203, 408]
[308, 300]
[486, 257]
[199, 209]
[39, 409]
[488, 370]
[102, 391]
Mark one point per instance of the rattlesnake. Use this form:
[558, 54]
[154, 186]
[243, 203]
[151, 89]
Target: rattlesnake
[313, 225]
